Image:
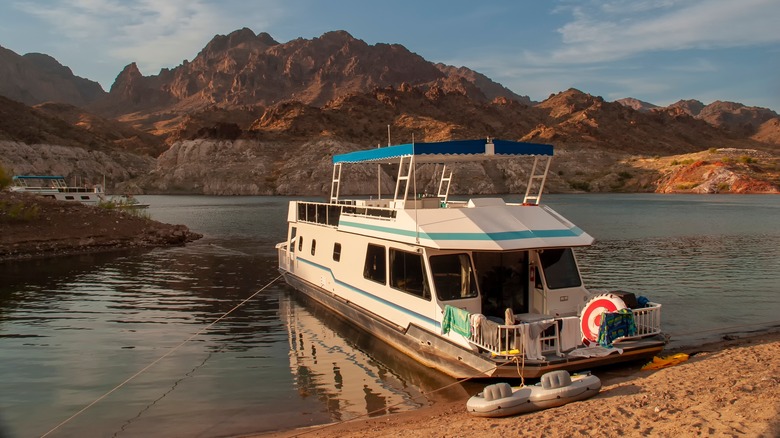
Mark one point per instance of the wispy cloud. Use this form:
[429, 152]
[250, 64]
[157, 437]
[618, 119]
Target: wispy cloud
[150, 32]
[600, 32]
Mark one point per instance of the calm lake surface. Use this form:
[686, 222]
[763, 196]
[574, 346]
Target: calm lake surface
[72, 329]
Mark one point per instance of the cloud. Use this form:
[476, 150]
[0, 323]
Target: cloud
[152, 33]
[601, 32]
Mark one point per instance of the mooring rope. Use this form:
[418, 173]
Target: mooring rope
[171, 351]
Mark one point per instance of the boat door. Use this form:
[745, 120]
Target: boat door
[539, 298]
[293, 242]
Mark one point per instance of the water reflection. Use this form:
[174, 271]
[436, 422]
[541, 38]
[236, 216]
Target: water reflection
[71, 329]
[352, 373]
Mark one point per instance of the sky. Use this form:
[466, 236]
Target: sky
[658, 51]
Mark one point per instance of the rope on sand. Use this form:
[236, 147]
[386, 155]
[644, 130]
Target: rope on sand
[171, 351]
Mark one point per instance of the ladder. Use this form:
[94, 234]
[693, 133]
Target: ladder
[445, 177]
[533, 192]
[334, 185]
[403, 178]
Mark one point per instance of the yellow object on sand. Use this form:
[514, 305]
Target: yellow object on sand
[663, 362]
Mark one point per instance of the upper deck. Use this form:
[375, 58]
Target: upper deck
[437, 222]
[479, 224]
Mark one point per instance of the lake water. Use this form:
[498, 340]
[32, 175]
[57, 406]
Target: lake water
[73, 329]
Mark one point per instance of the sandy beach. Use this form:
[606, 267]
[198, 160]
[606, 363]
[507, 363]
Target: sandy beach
[729, 388]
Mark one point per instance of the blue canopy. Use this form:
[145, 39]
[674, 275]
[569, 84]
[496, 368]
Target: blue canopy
[38, 177]
[447, 151]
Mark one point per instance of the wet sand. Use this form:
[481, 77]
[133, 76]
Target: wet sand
[728, 388]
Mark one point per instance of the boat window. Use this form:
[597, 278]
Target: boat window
[374, 269]
[560, 269]
[300, 243]
[293, 233]
[407, 273]
[453, 277]
[313, 246]
[69, 198]
[84, 197]
[336, 252]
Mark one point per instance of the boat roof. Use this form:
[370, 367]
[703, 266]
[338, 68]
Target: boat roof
[447, 151]
[483, 224]
[38, 177]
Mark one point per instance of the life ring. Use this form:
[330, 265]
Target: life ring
[590, 318]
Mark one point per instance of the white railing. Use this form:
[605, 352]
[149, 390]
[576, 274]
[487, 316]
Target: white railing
[509, 340]
[647, 320]
[284, 256]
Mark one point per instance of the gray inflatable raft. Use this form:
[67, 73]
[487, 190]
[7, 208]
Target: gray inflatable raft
[555, 389]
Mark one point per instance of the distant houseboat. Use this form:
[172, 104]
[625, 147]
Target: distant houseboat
[55, 187]
[477, 288]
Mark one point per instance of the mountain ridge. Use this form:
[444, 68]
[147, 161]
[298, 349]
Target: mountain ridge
[283, 106]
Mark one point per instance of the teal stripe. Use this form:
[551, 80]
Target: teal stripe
[380, 300]
[498, 236]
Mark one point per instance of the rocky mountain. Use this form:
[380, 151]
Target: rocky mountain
[36, 78]
[63, 140]
[245, 69]
[249, 115]
[734, 117]
[636, 104]
[600, 146]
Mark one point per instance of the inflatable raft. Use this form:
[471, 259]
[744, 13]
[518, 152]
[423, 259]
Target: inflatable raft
[555, 389]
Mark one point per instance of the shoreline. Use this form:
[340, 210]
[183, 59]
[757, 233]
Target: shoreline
[728, 387]
[34, 227]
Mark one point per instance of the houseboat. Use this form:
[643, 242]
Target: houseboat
[55, 187]
[473, 288]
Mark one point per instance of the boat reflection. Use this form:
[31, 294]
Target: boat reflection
[352, 373]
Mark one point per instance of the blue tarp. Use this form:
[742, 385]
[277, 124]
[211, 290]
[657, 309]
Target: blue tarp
[445, 151]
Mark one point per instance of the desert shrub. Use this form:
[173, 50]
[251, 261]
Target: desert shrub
[728, 160]
[713, 150]
[5, 178]
[685, 186]
[675, 162]
[19, 211]
[580, 185]
[687, 161]
[747, 160]
[724, 187]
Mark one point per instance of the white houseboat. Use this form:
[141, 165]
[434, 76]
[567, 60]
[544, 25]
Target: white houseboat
[55, 187]
[477, 288]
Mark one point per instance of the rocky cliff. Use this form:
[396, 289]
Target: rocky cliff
[36, 78]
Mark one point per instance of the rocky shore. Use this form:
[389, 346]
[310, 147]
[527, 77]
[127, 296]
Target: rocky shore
[35, 227]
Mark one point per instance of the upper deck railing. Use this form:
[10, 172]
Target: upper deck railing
[328, 214]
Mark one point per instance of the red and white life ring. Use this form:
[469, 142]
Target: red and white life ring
[590, 318]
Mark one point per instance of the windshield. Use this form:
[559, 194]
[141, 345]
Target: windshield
[560, 269]
[453, 277]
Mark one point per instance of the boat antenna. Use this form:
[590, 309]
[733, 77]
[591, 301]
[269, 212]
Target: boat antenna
[388, 135]
[414, 188]
[379, 173]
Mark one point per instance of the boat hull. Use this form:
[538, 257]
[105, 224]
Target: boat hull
[438, 353]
